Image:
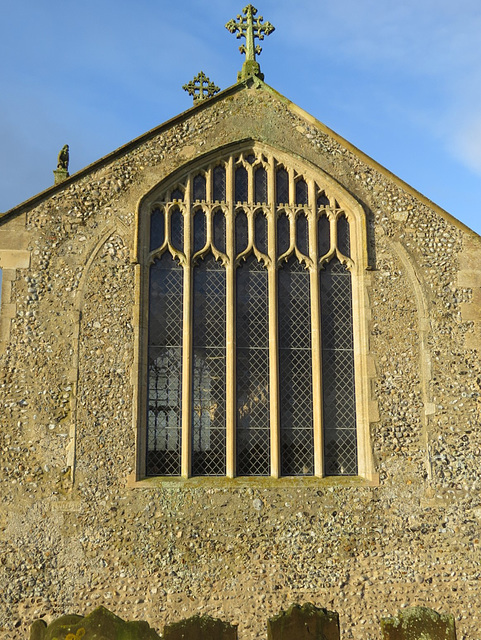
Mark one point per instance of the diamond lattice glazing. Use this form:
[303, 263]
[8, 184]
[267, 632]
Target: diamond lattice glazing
[252, 379]
[208, 376]
[295, 370]
[339, 406]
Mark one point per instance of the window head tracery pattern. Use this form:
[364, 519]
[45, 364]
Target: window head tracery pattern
[267, 365]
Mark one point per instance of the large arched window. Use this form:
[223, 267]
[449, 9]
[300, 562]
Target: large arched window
[249, 356]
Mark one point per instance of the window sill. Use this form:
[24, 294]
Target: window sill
[257, 482]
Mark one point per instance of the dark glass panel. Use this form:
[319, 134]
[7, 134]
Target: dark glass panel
[302, 233]
[251, 158]
[260, 185]
[164, 368]
[283, 234]
[282, 187]
[339, 402]
[301, 192]
[157, 229]
[177, 229]
[343, 236]
[208, 376]
[261, 232]
[200, 231]
[241, 232]
[323, 236]
[252, 369]
[177, 194]
[199, 188]
[241, 192]
[322, 200]
[295, 364]
[219, 231]
[219, 184]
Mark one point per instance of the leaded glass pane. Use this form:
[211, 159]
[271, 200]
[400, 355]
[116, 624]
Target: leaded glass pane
[164, 368]
[200, 231]
[261, 232]
[177, 229]
[219, 184]
[157, 229]
[322, 200]
[241, 232]
[282, 187]
[323, 236]
[219, 231]
[199, 187]
[260, 185]
[295, 366]
[283, 234]
[301, 192]
[241, 192]
[339, 405]
[252, 369]
[209, 372]
[302, 234]
[343, 236]
[177, 194]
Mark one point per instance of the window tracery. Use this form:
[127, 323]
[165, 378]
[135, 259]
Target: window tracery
[255, 262]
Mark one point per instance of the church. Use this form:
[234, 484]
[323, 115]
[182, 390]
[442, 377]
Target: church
[240, 368]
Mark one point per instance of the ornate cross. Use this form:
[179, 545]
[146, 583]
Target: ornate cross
[250, 29]
[201, 87]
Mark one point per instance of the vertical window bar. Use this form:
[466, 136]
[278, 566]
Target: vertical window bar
[209, 369]
[295, 366]
[252, 376]
[165, 368]
[339, 402]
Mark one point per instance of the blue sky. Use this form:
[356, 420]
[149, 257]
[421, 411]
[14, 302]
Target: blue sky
[401, 81]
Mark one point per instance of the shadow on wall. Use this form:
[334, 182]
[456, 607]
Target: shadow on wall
[305, 622]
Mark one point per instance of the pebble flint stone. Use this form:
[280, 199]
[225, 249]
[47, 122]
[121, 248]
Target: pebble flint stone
[304, 623]
[416, 623]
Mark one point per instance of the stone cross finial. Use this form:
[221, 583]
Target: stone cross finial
[250, 29]
[201, 87]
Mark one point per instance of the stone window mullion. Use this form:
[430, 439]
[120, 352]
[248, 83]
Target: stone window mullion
[316, 335]
[273, 328]
[230, 325]
[187, 339]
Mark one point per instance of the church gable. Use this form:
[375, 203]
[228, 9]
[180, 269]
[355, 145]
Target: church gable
[238, 354]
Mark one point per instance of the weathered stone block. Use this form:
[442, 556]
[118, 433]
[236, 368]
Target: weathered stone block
[101, 624]
[304, 623]
[418, 623]
[200, 628]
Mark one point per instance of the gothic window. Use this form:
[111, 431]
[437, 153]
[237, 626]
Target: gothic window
[250, 348]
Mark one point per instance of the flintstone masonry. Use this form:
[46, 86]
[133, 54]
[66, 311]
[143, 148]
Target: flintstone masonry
[79, 525]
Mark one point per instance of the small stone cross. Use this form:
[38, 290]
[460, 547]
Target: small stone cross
[201, 87]
[250, 29]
